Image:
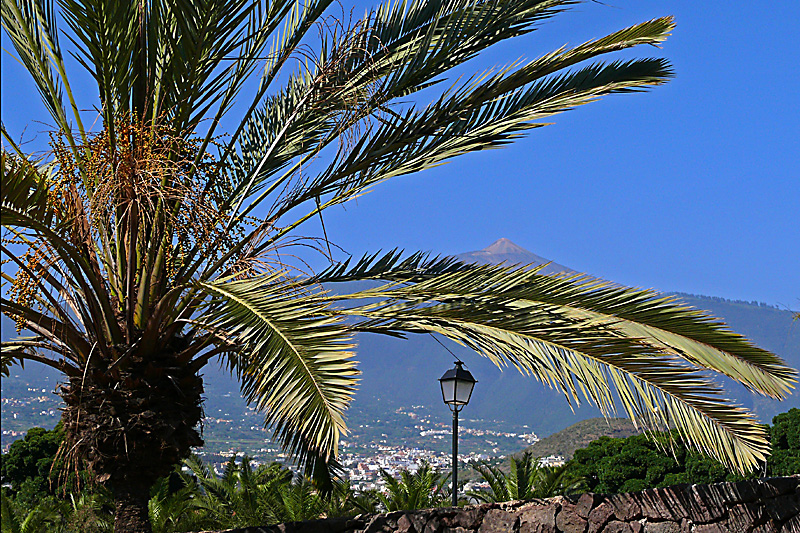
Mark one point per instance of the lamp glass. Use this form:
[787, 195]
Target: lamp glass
[463, 392]
[448, 390]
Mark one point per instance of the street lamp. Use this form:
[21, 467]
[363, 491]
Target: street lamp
[457, 384]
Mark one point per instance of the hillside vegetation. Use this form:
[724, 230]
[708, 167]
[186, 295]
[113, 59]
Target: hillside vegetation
[579, 435]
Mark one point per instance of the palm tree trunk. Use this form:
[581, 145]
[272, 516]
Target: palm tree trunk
[130, 502]
[131, 425]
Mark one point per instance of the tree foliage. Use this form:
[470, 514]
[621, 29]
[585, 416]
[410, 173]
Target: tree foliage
[191, 498]
[636, 463]
[785, 439]
[29, 470]
[611, 465]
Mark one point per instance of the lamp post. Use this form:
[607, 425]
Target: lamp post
[457, 384]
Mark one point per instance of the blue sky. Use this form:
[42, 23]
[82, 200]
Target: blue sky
[690, 187]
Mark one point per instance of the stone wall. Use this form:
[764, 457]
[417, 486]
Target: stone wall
[760, 506]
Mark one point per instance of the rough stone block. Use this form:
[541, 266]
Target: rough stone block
[710, 528]
[786, 485]
[538, 519]
[498, 521]
[784, 507]
[662, 527]
[615, 526]
[468, 518]
[745, 516]
[792, 525]
[383, 523]
[777, 486]
[663, 504]
[432, 525]
[740, 492]
[705, 505]
[586, 503]
[419, 519]
[769, 526]
[625, 507]
[406, 525]
[599, 517]
[568, 521]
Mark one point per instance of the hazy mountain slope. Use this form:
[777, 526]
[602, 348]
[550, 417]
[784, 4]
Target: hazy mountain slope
[505, 251]
[406, 372]
[579, 435]
[399, 373]
[768, 327]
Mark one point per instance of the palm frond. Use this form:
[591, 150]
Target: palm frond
[389, 266]
[475, 116]
[422, 489]
[669, 326]
[107, 34]
[662, 321]
[404, 44]
[77, 269]
[292, 357]
[498, 486]
[31, 26]
[494, 311]
[299, 19]
[25, 189]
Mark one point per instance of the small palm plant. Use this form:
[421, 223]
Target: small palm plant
[345, 501]
[527, 479]
[241, 496]
[91, 512]
[296, 501]
[422, 489]
[556, 480]
[48, 515]
[174, 509]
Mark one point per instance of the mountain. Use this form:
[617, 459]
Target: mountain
[402, 373]
[503, 251]
[577, 436]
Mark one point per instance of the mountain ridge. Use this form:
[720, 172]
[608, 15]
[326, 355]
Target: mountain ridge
[504, 251]
[579, 435]
[388, 365]
[399, 373]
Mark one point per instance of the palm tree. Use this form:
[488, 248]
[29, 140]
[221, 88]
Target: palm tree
[239, 497]
[297, 501]
[421, 489]
[343, 500]
[556, 480]
[136, 256]
[172, 509]
[527, 479]
[270, 494]
[91, 513]
[45, 516]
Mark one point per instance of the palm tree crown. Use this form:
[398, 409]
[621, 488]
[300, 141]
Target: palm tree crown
[527, 479]
[160, 240]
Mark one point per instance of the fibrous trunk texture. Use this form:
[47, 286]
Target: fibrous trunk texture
[130, 425]
[130, 508]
